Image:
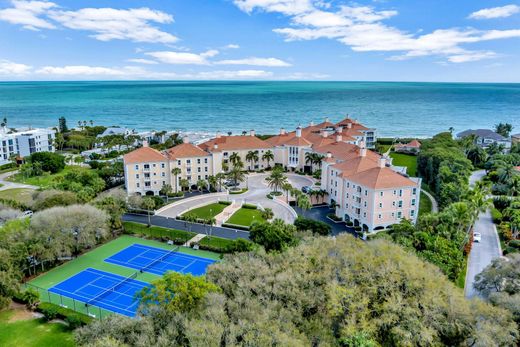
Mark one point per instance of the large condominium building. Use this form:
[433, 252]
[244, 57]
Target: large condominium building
[25, 143]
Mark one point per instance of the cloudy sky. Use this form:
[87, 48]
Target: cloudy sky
[378, 40]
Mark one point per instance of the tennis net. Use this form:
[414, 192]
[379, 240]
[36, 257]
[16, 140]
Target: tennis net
[161, 258]
[113, 288]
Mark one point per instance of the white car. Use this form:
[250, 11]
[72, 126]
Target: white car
[477, 237]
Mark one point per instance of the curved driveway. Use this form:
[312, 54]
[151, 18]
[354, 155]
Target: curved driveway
[256, 194]
[11, 185]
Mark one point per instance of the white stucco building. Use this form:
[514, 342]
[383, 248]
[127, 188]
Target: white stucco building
[25, 142]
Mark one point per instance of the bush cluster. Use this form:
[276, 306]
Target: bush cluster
[52, 311]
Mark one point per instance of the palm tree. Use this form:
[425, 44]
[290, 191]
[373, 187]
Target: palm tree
[310, 159]
[212, 180]
[276, 179]
[304, 203]
[184, 183]
[220, 178]
[252, 156]
[234, 158]
[79, 123]
[268, 157]
[287, 187]
[236, 174]
[225, 166]
[317, 159]
[190, 218]
[149, 204]
[201, 184]
[91, 122]
[176, 172]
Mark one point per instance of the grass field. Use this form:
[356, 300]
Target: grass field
[32, 332]
[22, 195]
[46, 180]
[95, 259]
[208, 211]
[410, 161]
[245, 217]
[425, 204]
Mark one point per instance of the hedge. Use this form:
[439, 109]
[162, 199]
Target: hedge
[316, 227]
[235, 226]
[249, 206]
[177, 236]
[496, 215]
[226, 203]
[215, 244]
[232, 192]
[53, 311]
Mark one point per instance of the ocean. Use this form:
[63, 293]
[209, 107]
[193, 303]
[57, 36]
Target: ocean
[394, 109]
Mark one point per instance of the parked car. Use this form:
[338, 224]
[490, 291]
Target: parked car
[477, 237]
[230, 183]
[27, 213]
[306, 189]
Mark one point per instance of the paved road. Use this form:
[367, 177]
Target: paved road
[488, 249]
[435, 205]
[10, 185]
[256, 194]
[171, 223]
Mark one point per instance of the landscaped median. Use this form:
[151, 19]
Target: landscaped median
[206, 212]
[245, 216]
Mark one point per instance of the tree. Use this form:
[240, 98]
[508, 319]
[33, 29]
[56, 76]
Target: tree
[201, 184]
[274, 236]
[9, 278]
[50, 162]
[148, 204]
[237, 175]
[176, 172]
[276, 179]
[477, 155]
[267, 213]
[287, 187]
[304, 202]
[184, 183]
[166, 190]
[252, 157]
[235, 159]
[213, 182]
[220, 179]
[268, 157]
[62, 125]
[503, 129]
[59, 141]
[176, 292]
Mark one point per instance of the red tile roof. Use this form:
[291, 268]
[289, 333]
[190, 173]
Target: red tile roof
[144, 155]
[381, 178]
[186, 150]
[234, 142]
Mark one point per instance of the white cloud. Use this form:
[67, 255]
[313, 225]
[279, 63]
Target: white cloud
[85, 70]
[27, 14]
[363, 30]
[183, 58]
[495, 12]
[232, 46]
[114, 24]
[142, 61]
[240, 74]
[270, 62]
[11, 68]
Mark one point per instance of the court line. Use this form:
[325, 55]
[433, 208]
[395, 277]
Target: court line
[165, 250]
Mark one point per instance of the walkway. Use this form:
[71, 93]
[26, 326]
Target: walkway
[194, 239]
[11, 185]
[483, 252]
[435, 205]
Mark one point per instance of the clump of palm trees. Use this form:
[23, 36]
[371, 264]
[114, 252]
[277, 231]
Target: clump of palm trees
[277, 179]
[313, 159]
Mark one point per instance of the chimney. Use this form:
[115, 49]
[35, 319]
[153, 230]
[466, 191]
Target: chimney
[324, 133]
[363, 152]
[185, 139]
[362, 144]
[349, 125]
[326, 119]
[282, 131]
[382, 162]
[299, 131]
[329, 155]
[215, 146]
[311, 123]
[218, 136]
[339, 138]
[145, 143]
[339, 129]
[252, 132]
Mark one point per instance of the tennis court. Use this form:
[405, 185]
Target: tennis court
[103, 289]
[158, 261]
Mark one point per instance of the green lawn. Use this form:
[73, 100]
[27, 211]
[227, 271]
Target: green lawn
[32, 333]
[46, 180]
[425, 204]
[158, 232]
[410, 161]
[21, 195]
[461, 280]
[95, 259]
[245, 217]
[208, 211]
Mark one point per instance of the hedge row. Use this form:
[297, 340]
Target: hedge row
[74, 319]
[225, 203]
[235, 226]
[249, 206]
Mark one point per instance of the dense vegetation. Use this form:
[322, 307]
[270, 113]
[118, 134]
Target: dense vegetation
[324, 292]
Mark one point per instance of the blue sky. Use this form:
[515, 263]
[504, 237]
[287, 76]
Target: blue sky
[379, 40]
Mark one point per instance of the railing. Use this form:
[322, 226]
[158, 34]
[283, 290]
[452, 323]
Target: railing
[70, 303]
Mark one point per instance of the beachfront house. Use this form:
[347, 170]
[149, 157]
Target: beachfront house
[23, 143]
[485, 137]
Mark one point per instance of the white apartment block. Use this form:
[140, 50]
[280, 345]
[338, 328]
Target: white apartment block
[25, 143]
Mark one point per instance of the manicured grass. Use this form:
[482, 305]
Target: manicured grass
[216, 242]
[410, 161]
[240, 191]
[32, 332]
[245, 217]
[157, 232]
[208, 211]
[95, 259]
[46, 180]
[384, 148]
[21, 195]
[425, 204]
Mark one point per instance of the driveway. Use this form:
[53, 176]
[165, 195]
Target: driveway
[11, 185]
[488, 249]
[256, 194]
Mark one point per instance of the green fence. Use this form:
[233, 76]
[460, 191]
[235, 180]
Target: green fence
[70, 303]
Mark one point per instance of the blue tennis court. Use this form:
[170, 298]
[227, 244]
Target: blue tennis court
[158, 261]
[102, 289]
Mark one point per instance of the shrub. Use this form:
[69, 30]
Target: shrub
[316, 227]
[235, 226]
[249, 206]
[270, 196]
[496, 215]
[50, 198]
[49, 311]
[240, 245]
[52, 311]
[226, 203]
[514, 244]
[350, 224]
[50, 162]
[334, 217]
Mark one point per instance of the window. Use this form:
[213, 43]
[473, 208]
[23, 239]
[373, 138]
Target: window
[163, 174]
[380, 205]
[347, 196]
[163, 183]
[206, 169]
[162, 166]
[348, 184]
[400, 204]
[393, 203]
[393, 215]
[137, 185]
[395, 192]
[346, 205]
[198, 169]
[136, 175]
[188, 161]
[399, 214]
[366, 192]
[188, 177]
[400, 192]
[146, 166]
[154, 165]
[198, 161]
[414, 191]
[412, 213]
[365, 204]
[137, 166]
[364, 214]
[178, 162]
[413, 202]
[199, 177]
[380, 193]
[205, 160]
[379, 216]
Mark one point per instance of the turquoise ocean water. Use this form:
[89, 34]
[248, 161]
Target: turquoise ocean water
[395, 109]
